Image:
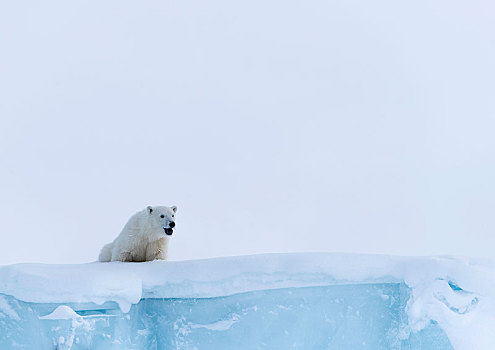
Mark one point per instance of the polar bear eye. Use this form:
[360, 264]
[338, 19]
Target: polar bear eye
[162, 216]
[173, 215]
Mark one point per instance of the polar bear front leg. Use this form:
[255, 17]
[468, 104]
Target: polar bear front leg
[157, 250]
[122, 256]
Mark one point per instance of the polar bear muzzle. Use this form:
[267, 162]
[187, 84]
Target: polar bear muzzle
[168, 231]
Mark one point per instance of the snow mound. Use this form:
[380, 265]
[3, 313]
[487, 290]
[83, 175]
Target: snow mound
[62, 312]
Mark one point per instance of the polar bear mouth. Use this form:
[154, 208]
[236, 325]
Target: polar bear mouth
[168, 231]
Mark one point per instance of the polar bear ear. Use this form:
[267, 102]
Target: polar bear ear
[174, 208]
[150, 209]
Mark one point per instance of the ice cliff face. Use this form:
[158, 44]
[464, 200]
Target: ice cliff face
[279, 301]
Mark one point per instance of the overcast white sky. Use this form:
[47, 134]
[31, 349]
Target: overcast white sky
[274, 126]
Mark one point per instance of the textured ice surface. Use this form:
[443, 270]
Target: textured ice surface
[361, 316]
[305, 301]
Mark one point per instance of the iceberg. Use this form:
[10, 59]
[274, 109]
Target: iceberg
[270, 301]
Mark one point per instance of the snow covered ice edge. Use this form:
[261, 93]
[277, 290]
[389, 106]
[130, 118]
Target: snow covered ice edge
[457, 293]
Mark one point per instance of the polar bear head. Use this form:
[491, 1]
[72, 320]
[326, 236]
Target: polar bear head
[163, 218]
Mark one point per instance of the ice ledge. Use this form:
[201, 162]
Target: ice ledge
[457, 293]
[100, 282]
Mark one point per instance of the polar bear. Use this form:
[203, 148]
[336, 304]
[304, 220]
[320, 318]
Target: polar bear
[144, 238]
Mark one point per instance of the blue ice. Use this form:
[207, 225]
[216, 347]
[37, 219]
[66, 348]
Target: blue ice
[348, 316]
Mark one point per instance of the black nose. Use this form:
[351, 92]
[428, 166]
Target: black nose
[172, 224]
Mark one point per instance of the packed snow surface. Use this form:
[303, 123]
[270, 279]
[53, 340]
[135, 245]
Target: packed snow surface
[422, 295]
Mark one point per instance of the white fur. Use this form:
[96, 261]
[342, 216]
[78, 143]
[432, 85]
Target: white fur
[143, 237]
